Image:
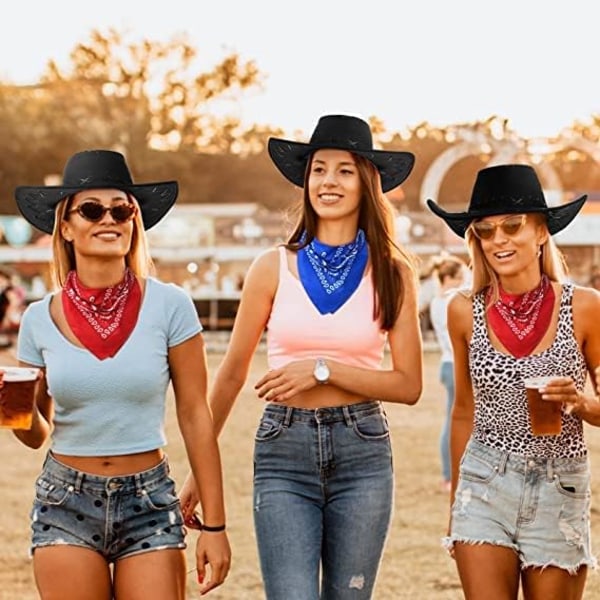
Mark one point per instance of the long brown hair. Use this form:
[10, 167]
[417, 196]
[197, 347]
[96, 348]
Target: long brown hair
[376, 219]
[138, 258]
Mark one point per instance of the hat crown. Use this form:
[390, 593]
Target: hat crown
[102, 168]
[507, 188]
[343, 132]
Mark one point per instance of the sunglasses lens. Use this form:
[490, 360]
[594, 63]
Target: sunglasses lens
[92, 211]
[512, 225]
[483, 230]
[122, 212]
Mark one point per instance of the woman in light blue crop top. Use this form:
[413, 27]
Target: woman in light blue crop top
[330, 299]
[520, 514]
[108, 343]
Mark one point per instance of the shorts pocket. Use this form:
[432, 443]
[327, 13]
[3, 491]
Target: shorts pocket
[50, 493]
[162, 497]
[475, 469]
[372, 427]
[573, 485]
[268, 429]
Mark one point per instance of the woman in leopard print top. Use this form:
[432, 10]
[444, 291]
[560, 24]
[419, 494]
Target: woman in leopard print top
[520, 514]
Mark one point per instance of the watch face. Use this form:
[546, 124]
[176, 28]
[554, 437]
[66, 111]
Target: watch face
[321, 371]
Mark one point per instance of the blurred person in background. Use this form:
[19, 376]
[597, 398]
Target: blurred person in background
[450, 273]
[12, 304]
[106, 520]
[520, 512]
[330, 299]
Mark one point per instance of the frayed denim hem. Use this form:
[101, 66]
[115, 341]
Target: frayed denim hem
[592, 563]
[448, 543]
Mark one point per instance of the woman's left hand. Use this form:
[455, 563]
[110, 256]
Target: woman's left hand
[279, 385]
[212, 548]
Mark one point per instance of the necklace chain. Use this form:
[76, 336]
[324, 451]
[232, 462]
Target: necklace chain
[103, 313]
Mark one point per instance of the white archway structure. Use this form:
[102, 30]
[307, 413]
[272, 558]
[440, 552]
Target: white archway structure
[503, 147]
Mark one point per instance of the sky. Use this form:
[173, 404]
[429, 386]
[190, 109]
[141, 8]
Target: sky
[534, 62]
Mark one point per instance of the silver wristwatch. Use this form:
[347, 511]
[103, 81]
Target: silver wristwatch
[321, 371]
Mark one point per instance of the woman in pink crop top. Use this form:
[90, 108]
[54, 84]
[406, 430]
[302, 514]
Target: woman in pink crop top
[329, 299]
[106, 520]
[520, 514]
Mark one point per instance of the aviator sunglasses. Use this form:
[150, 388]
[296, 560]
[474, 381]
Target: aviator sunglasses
[486, 230]
[95, 211]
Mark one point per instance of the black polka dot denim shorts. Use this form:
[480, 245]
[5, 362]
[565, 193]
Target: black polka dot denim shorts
[116, 516]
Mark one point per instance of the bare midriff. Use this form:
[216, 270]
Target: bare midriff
[107, 466]
[323, 396]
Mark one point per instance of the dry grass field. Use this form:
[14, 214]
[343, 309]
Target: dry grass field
[414, 565]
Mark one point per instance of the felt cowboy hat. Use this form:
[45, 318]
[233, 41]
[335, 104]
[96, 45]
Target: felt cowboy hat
[508, 189]
[94, 169]
[340, 132]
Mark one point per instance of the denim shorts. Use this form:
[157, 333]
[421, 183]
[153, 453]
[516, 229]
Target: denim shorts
[538, 507]
[115, 516]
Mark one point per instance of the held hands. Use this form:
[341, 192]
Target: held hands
[280, 385]
[212, 548]
[189, 499]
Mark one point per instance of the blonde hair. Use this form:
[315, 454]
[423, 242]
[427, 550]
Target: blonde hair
[138, 258]
[552, 262]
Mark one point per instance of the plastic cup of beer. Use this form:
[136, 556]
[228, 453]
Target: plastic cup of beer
[17, 397]
[545, 415]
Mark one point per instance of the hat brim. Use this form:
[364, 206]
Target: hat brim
[557, 217]
[37, 204]
[291, 158]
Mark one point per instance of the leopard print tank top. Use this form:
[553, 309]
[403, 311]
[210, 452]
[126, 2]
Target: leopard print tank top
[501, 416]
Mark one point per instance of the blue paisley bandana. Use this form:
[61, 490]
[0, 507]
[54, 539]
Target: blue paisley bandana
[331, 274]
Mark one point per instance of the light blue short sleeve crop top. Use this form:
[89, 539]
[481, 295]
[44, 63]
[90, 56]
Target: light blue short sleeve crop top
[114, 406]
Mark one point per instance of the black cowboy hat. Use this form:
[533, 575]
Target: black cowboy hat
[95, 169]
[340, 132]
[508, 189]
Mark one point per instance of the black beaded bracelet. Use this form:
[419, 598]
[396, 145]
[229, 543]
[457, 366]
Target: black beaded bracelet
[212, 529]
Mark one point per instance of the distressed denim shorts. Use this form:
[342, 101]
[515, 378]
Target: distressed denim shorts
[116, 516]
[538, 507]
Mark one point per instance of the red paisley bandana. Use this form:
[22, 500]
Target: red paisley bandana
[102, 319]
[520, 321]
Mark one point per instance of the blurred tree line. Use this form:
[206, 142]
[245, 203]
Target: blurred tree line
[149, 101]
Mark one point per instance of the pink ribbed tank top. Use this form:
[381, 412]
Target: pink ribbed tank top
[296, 330]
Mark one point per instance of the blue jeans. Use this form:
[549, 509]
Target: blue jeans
[323, 495]
[447, 380]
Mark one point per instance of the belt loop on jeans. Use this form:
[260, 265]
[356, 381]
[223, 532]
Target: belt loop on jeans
[347, 415]
[287, 419]
[502, 463]
[79, 481]
[549, 470]
[139, 484]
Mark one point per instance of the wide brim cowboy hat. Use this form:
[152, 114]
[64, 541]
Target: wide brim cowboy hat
[508, 189]
[340, 132]
[95, 169]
